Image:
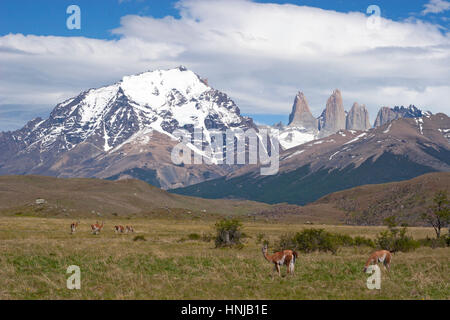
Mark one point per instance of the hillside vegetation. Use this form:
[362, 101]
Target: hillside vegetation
[96, 197]
[371, 204]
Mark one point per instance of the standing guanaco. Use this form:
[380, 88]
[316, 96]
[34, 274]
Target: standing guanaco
[119, 229]
[73, 226]
[129, 229]
[96, 228]
[285, 257]
[382, 256]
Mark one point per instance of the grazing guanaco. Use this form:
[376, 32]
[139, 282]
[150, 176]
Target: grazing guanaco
[73, 226]
[96, 228]
[129, 229]
[119, 229]
[382, 256]
[285, 257]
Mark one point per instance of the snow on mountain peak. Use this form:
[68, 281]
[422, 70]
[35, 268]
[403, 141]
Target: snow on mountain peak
[162, 100]
[153, 87]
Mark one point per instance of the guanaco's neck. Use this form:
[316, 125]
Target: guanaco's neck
[266, 256]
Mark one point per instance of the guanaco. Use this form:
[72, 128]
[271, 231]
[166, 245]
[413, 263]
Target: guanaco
[73, 226]
[382, 256]
[119, 229]
[129, 229]
[285, 257]
[96, 228]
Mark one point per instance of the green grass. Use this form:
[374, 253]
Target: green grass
[35, 253]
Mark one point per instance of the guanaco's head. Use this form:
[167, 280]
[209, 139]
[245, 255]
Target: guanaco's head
[367, 265]
[264, 248]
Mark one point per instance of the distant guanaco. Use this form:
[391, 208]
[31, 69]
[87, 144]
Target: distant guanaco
[96, 228]
[285, 257]
[73, 227]
[119, 229]
[382, 256]
[129, 229]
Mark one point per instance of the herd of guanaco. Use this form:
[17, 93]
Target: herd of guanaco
[288, 258]
[285, 257]
[96, 228]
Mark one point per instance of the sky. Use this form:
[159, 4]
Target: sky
[261, 53]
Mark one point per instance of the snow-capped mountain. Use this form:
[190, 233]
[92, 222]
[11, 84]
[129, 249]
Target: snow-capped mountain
[84, 135]
[303, 127]
[399, 150]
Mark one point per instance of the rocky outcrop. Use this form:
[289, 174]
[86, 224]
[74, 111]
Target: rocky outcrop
[301, 115]
[384, 116]
[409, 112]
[333, 117]
[387, 114]
[358, 118]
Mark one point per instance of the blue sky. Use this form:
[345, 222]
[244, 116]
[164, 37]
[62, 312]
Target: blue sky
[47, 17]
[264, 90]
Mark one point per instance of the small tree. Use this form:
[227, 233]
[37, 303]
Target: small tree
[438, 214]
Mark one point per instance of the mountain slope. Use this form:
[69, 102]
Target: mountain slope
[80, 196]
[108, 131]
[370, 204]
[400, 150]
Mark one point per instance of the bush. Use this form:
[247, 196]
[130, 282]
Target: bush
[347, 241]
[343, 240]
[207, 237]
[309, 240]
[361, 241]
[228, 233]
[194, 236]
[433, 243]
[286, 242]
[261, 239]
[139, 238]
[395, 239]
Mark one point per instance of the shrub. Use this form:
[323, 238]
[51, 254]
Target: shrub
[139, 238]
[207, 237]
[433, 243]
[309, 240]
[395, 239]
[261, 239]
[361, 241]
[347, 241]
[286, 242]
[194, 236]
[228, 233]
[343, 240]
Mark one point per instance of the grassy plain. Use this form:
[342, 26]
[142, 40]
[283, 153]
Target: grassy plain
[35, 252]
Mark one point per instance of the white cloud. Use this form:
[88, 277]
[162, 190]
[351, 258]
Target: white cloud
[260, 54]
[436, 6]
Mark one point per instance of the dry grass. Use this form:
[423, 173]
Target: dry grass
[35, 253]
